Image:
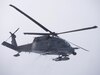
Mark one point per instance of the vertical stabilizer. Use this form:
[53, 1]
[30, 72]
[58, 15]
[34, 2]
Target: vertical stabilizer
[13, 36]
[9, 45]
[13, 44]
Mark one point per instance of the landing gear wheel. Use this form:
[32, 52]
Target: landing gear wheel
[61, 58]
[74, 53]
[16, 55]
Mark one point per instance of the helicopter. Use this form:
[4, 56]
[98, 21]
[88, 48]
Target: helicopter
[48, 43]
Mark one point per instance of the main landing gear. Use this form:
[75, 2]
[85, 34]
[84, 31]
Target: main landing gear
[16, 55]
[61, 58]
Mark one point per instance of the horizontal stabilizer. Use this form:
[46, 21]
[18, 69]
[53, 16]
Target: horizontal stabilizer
[9, 45]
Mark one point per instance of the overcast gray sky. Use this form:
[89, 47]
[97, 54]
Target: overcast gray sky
[58, 16]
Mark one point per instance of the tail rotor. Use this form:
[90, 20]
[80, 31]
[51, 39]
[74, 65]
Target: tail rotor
[12, 33]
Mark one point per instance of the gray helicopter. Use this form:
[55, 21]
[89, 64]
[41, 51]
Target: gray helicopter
[48, 43]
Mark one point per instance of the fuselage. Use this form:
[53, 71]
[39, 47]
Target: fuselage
[51, 45]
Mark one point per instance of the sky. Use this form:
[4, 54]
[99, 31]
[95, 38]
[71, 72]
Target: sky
[57, 16]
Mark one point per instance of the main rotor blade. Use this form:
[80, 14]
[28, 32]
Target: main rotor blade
[78, 30]
[78, 46]
[31, 18]
[37, 33]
